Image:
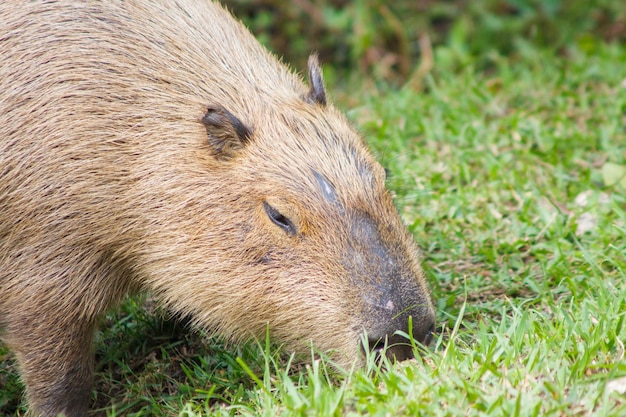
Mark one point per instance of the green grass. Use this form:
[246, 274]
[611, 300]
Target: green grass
[507, 174]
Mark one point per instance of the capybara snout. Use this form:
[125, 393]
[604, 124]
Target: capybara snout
[395, 300]
[156, 145]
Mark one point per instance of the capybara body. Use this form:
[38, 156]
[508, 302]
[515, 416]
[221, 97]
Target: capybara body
[155, 145]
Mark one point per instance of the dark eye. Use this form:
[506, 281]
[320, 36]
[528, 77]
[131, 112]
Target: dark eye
[279, 220]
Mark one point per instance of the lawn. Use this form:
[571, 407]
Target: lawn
[510, 171]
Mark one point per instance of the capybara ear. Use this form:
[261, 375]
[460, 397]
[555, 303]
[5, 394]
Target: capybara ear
[317, 93]
[226, 133]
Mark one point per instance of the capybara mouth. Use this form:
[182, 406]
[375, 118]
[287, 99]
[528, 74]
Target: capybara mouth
[396, 352]
[397, 348]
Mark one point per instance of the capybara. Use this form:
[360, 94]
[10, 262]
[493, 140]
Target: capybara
[155, 145]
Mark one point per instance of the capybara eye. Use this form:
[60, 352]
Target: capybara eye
[279, 219]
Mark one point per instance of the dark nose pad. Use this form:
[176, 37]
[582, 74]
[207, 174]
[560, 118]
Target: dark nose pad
[398, 346]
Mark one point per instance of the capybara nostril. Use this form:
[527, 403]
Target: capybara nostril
[428, 337]
[423, 330]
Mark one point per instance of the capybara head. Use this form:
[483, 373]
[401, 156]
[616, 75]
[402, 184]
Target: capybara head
[309, 239]
[152, 144]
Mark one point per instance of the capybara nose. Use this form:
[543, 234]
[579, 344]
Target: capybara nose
[398, 346]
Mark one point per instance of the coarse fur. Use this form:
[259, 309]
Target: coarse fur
[156, 145]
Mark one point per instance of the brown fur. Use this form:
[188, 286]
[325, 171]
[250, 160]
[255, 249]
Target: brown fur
[142, 146]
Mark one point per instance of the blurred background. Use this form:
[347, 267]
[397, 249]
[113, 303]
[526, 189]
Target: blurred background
[402, 40]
